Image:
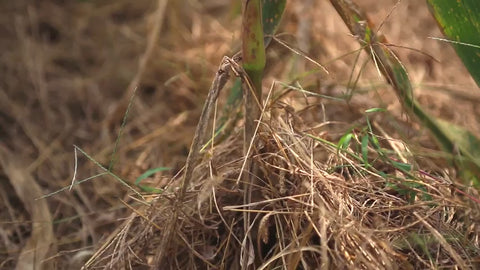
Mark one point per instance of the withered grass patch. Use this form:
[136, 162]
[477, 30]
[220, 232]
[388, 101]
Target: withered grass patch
[313, 206]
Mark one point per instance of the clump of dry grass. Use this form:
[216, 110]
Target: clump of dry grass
[311, 207]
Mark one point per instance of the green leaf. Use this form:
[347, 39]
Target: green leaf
[373, 138]
[150, 189]
[372, 110]
[229, 112]
[375, 142]
[365, 149]
[410, 190]
[384, 175]
[344, 141]
[460, 22]
[464, 140]
[402, 166]
[272, 11]
[149, 173]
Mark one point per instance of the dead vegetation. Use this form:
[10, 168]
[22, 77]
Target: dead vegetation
[312, 207]
[68, 71]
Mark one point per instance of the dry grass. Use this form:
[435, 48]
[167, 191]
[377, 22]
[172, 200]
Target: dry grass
[311, 208]
[66, 65]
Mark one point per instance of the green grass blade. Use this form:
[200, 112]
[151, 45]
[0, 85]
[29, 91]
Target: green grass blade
[460, 22]
[344, 141]
[402, 166]
[149, 173]
[365, 149]
[108, 172]
[233, 101]
[272, 11]
[449, 136]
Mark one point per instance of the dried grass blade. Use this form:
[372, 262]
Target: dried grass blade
[41, 241]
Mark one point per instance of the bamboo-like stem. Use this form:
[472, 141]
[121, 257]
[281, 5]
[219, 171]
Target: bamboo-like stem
[253, 56]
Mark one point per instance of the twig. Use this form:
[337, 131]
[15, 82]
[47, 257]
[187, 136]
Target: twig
[221, 78]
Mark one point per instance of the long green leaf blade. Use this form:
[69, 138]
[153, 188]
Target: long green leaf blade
[460, 22]
[272, 11]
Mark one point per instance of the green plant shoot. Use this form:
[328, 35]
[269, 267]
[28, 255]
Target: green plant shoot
[253, 56]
